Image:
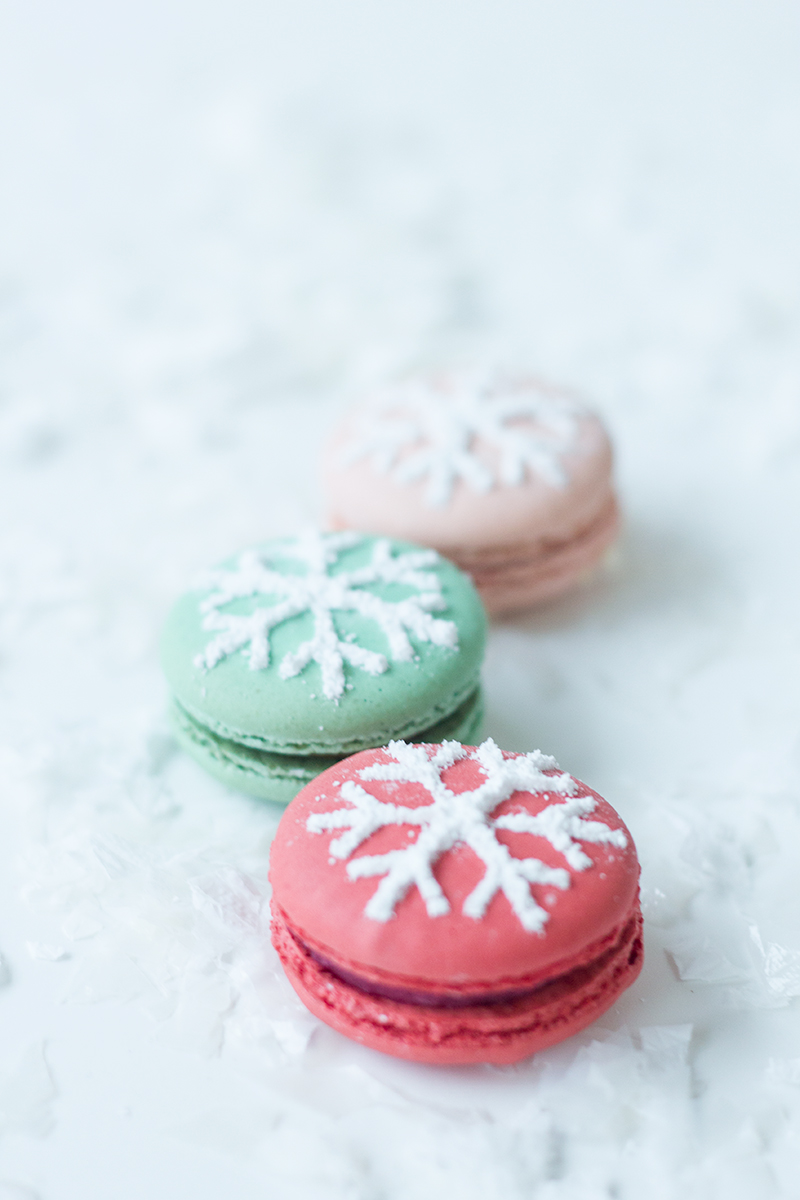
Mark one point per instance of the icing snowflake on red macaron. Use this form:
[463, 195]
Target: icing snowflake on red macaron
[466, 817]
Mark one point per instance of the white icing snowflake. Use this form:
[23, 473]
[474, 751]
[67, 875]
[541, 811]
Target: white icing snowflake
[465, 817]
[428, 430]
[313, 589]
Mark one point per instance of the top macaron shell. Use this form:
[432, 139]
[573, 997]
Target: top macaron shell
[325, 907]
[260, 708]
[507, 513]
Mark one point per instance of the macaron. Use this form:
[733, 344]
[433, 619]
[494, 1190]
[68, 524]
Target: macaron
[507, 476]
[455, 904]
[298, 652]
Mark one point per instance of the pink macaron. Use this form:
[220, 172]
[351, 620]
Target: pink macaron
[508, 477]
[453, 904]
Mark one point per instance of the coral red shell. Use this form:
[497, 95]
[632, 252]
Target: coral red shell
[454, 987]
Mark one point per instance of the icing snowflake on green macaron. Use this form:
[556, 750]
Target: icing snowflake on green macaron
[310, 586]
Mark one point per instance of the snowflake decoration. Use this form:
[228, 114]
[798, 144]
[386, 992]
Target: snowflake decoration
[313, 589]
[464, 817]
[428, 431]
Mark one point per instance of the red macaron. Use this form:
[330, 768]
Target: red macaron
[455, 904]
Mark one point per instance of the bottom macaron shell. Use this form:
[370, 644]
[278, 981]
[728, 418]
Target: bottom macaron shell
[520, 576]
[279, 777]
[501, 1033]
[275, 777]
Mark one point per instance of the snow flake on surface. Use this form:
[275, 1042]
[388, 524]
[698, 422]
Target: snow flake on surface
[314, 589]
[465, 817]
[430, 430]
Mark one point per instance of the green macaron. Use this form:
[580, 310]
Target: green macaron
[303, 650]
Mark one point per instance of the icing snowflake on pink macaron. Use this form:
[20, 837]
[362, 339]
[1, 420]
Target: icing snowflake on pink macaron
[432, 430]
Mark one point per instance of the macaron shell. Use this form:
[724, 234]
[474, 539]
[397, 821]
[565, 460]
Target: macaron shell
[325, 907]
[279, 777]
[358, 496]
[276, 777]
[258, 708]
[535, 572]
[491, 1033]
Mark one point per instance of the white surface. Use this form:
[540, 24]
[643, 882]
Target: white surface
[214, 220]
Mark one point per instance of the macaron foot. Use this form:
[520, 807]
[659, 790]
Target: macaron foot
[500, 1033]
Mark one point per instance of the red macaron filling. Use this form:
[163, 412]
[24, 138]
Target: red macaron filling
[573, 979]
[495, 1030]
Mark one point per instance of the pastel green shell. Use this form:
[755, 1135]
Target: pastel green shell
[237, 720]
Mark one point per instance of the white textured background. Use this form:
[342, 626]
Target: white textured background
[215, 221]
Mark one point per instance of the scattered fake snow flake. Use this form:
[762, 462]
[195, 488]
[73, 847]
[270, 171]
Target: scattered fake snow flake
[699, 959]
[79, 925]
[199, 1016]
[293, 1034]
[438, 423]
[464, 817]
[320, 593]
[46, 952]
[106, 976]
[228, 900]
[5, 972]
[26, 1096]
[781, 967]
[166, 913]
[783, 1070]
[666, 1045]
[756, 974]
